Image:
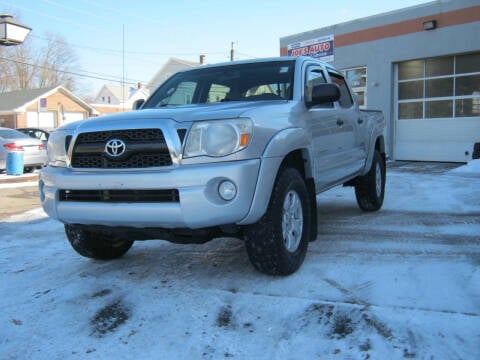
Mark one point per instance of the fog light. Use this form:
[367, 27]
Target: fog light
[227, 190]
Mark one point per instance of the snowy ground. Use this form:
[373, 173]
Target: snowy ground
[400, 283]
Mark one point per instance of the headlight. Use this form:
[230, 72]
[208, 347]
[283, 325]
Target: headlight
[218, 138]
[57, 148]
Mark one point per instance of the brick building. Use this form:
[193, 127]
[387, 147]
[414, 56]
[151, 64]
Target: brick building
[44, 108]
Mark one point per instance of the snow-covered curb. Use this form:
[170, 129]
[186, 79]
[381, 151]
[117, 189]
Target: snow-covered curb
[471, 168]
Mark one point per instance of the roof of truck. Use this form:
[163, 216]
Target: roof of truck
[260, 60]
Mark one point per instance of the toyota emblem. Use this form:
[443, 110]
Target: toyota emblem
[115, 147]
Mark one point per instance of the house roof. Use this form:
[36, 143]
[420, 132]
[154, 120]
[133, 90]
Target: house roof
[10, 101]
[18, 101]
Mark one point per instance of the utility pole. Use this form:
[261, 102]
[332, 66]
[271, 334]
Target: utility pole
[232, 53]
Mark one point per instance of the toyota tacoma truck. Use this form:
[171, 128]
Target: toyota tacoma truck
[225, 150]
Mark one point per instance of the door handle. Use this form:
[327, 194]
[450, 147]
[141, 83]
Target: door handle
[360, 121]
[339, 122]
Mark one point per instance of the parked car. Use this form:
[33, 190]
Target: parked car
[34, 150]
[36, 133]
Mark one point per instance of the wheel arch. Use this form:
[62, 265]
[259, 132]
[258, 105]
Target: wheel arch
[377, 145]
[288, 148]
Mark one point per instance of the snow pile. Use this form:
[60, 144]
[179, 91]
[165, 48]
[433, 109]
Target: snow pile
[471, 168]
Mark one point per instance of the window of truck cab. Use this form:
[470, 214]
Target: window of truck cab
[256, 81]
[314, 76]
[346, 100]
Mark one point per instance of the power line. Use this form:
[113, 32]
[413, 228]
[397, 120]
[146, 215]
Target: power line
[79, 11]
[119, 80]
[131, 14]
[61, 19]
[91, 14]
[118, 51]
[247, 55]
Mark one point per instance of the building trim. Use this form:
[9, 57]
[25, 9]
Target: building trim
[451, 18]
[444, 19]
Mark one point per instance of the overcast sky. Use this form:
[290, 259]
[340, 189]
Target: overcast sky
[113, 38]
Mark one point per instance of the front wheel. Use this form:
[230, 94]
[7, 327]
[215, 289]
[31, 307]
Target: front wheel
[96, 245]
[277, 244]
[370, 188]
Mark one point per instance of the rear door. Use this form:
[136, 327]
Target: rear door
[350, 131]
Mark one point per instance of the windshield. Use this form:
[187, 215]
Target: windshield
[239, 82]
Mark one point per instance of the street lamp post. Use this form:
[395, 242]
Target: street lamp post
[12, 32]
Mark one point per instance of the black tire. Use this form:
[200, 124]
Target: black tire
[95, 245]
[268, 249]
[370, 188]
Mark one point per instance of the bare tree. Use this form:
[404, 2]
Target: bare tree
[23, 73]
[57, 60]
[5, 71]
[27, 67]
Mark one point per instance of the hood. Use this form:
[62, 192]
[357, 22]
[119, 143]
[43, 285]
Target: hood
[188, 113]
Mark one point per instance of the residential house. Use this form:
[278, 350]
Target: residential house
[171, 67]
[113, 99]
[44, 108]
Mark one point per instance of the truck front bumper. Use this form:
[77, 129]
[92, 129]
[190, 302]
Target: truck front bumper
[198, 204]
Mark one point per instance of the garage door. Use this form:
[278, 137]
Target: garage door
[42, 119]
[72, 116]
[437, 108]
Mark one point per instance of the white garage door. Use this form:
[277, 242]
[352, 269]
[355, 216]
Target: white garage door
[72, 116]
[42, 119]
[437, 112]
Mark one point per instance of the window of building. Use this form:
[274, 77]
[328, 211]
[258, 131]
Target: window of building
[442, 87]
[357, 78]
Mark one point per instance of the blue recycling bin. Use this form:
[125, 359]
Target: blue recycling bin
[15, 163]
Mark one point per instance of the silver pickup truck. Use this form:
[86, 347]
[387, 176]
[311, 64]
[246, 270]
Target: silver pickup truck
[238, 150]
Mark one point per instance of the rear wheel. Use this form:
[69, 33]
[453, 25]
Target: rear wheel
[370, 188]
[96, 245]
[277, 244]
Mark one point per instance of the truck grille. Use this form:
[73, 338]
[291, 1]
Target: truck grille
[118, 196]
[143, 148]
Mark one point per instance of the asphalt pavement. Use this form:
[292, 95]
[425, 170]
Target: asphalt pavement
[19, 193]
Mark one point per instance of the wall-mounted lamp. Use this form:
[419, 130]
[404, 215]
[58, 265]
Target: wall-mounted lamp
[430, 25]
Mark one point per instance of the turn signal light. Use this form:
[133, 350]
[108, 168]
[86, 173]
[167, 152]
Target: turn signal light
[244, 139]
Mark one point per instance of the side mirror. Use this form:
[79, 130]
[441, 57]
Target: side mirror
[138, 104]
[324, 94]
